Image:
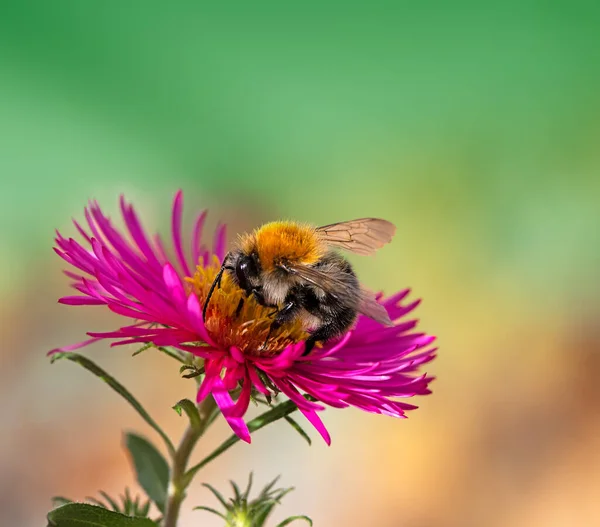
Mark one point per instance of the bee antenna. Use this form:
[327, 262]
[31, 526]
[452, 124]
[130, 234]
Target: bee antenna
[216, 282]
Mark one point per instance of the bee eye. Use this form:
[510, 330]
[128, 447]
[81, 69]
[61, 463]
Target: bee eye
[245, 270]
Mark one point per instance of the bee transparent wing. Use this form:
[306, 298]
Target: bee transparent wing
[363, 236]
[369, 307]
[367, 304]
[323, 281]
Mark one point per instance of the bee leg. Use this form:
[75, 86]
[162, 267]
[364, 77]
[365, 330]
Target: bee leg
[216, 283]
[239, 307]
[285, 314]
[260, 298]
[321, 334]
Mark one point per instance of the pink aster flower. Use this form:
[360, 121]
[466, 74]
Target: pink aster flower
[370, 367]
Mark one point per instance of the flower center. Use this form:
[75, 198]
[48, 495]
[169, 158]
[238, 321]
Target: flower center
[232, 319]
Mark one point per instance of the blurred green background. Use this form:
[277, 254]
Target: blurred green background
[475, 128]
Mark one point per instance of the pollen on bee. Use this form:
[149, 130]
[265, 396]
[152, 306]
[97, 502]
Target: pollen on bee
[245, 327]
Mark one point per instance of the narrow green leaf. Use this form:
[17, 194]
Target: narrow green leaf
[112, 503]
[85, 515]
[171, 353]
[279, 411]
[143, 511]
[298, 429]
[192, 375]
[151, 468]
[208, 509]
[262, 513]
[267, 490]
[135, 504]
[236, 490]
[249, 487]
[217, 494]
[143, 348]
[126, 505]
[191, 410]
[119, 388]
[289, 520]
[277, 497]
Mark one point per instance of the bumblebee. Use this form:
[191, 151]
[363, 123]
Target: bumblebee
[295, 269]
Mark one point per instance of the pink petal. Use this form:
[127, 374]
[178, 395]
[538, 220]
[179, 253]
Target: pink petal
[195, 318]
[73, 347]
[80, 301]
[176, 232]
[315, 420]
[220, 242]
[226, 404]
[197, 237]
[254, 377]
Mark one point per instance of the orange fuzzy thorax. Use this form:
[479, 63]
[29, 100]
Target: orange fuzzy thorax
[284, 241]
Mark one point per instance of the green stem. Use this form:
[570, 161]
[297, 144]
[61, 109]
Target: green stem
[177, 483]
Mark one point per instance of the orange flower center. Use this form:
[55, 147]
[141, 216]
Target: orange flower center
[246, 325]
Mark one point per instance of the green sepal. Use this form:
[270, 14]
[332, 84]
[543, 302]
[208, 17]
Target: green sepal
[118, 387]
[151, 468]
[85, 515]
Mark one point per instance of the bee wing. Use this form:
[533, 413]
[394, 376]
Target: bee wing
[367, 304]
[323, 281]
[363, 236]
[369, 307]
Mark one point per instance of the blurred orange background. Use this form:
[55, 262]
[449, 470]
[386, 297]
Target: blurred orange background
[475, 128]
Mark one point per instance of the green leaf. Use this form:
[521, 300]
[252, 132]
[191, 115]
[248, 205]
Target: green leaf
[279, 411]
[151, 468]
[118, 387]
[191, 410]
[84, 515]
[298, 429]
[289, 520]
[95, 501]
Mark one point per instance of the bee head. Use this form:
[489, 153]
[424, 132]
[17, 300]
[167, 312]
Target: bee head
[245, 270]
